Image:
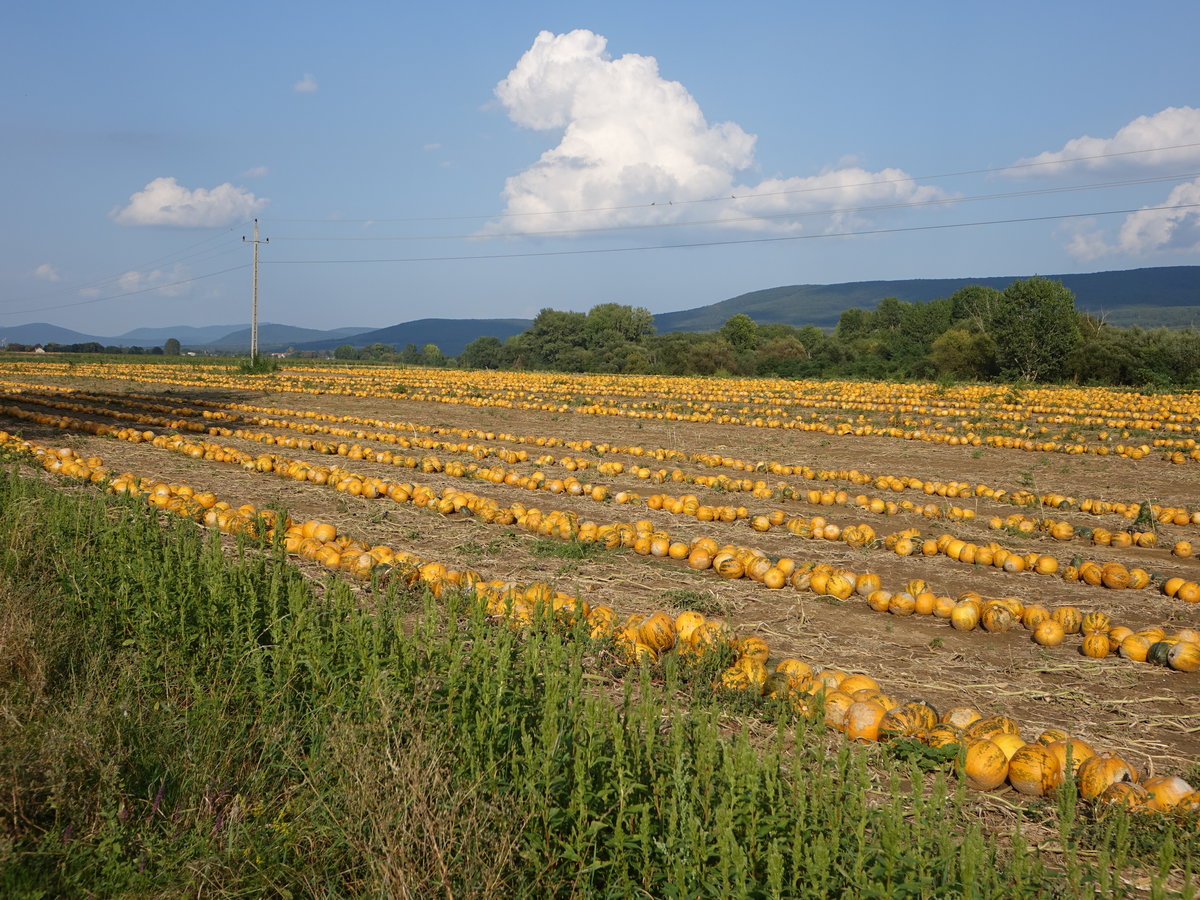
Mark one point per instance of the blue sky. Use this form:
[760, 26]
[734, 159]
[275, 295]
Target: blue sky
[489, 160]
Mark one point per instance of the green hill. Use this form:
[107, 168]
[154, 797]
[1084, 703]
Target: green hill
[1168, 295]
[450, 335]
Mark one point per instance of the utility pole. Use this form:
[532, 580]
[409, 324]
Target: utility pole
[254, 294]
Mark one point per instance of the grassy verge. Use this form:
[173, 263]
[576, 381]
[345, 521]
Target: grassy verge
[179, 720]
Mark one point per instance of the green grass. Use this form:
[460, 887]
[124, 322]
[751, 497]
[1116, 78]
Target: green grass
[177, 718]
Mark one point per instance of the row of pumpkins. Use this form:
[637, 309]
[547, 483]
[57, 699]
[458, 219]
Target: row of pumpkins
[729, 562]
[452, 390]
[1110, 575]
[1075, 407]
[1063, 531]
[1059, 530]
[991, 752]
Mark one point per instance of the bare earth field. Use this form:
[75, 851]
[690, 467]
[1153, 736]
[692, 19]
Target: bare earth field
[1148, 713]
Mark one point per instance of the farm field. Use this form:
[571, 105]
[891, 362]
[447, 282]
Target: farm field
[914, 534]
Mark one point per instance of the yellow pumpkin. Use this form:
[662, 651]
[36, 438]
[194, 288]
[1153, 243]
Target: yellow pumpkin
[799, 674]
[1184, 656]
[964, 616]
[902, 604]
[984, 765]
[1116, 634]
[1072, 750]
[1069, 618]
[687, 622]
[1127, 794]
[961, 716]
[852, 684]
[1033, 770]
[1135, 647]
[1009, 743]
[1034, 615]
[602, 621]
[992, 725]
[1050, 735]
[658, 631]
[752, 648]
[836, 705]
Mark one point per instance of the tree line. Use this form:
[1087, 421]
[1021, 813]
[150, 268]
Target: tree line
[170, 347]
[1030, 331]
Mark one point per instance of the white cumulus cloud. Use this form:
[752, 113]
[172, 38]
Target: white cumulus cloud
[46, 272]
[630, 138]
[1172, 226]
[306, 85]
[1167, 138]
[165, 202]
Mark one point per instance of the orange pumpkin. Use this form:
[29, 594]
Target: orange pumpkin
[836, 704]
[1135, 647]
[863, 719]
[1073, 751]
[1095, 646]
[1048, 633]
[1166, 791]
[1096, 773]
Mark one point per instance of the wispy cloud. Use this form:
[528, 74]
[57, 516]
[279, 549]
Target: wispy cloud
[256, 172]
[306, 85]
[46, 272]
[163, 282]
[630, 139]
[165, 202]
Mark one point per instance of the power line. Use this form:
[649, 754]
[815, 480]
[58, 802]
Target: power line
[770, 240]
[723, 199]
[147, 290]
[100, 282]
[911, 204]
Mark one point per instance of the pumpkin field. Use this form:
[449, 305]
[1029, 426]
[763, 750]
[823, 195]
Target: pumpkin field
[421, 632]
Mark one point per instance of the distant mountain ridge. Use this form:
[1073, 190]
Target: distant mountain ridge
[1149, 297]
[450, 335]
